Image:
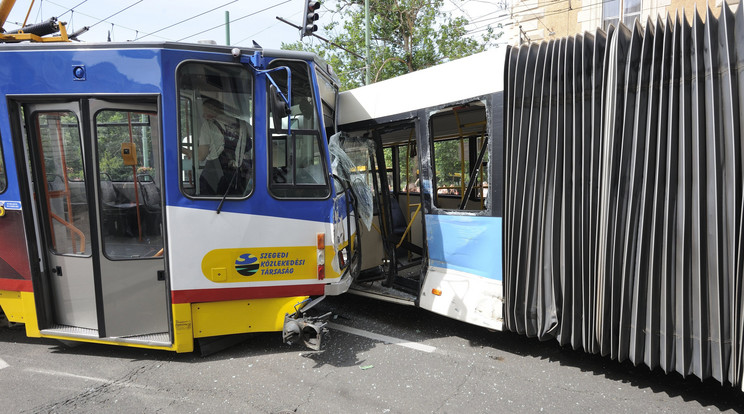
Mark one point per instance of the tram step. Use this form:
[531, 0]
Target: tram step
[153, 339]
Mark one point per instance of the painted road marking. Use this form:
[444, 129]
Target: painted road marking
[383, 338]
[3, 364]
[85, 377]
[66, 374]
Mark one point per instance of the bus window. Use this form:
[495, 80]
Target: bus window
[215, 110]
[408, 169]
[3, 178]
[459, 138]
[401, 158]
[297, 162]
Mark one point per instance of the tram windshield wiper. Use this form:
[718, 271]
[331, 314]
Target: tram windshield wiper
[227, 191]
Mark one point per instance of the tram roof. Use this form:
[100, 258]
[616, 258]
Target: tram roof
[199, 47]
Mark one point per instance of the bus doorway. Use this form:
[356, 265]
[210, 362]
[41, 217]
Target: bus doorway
[96, 186]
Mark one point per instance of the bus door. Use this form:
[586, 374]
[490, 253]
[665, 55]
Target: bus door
[96, 169]
[463, 234]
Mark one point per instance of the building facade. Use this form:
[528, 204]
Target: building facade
[537, 20]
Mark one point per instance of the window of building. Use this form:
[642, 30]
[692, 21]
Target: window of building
[614, 11]
[216, 130]
[297, 161]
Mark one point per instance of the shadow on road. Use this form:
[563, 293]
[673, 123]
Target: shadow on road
[427, 325]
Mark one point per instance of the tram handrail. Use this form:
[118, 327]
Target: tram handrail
[73, 229]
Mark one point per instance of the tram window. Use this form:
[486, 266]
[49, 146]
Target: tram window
[328, 92]
[3, 177]
[215, 130]
[298, 161]
[63, 183]
[129, 183]
[459, 137]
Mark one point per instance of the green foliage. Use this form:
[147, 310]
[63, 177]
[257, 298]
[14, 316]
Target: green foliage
[406, 36]
[448, 163]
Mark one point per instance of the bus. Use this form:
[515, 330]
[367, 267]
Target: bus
[160, 194]
[434, 235]
[585, 189]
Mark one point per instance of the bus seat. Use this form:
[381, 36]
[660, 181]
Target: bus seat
[399, 225]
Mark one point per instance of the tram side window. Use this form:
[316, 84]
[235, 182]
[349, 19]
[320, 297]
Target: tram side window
[459, 136]
[129, 183]
[63, 183]
[3, 177]
[328, 92]
[215, 130]
[298, 161]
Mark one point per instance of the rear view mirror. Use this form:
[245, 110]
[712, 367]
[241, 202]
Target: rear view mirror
[279, 106]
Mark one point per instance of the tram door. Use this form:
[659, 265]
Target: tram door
[96, 172]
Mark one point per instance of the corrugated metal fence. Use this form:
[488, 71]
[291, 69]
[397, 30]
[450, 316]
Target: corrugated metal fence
[623, 207]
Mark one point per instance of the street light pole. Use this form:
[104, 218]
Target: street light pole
[366, 39]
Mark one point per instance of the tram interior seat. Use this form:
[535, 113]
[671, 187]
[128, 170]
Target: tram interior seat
[151, 204]
[119, 204]
[113, 215]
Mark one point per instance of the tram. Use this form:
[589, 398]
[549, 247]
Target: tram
[160, 194]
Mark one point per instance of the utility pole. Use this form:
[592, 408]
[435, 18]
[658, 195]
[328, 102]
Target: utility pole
[227, 27]
[366, 39]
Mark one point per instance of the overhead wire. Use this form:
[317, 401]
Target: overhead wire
[185, 20]
[120, 11]
[99, 19]
[235, 20]
[71, 9]
[262, 30]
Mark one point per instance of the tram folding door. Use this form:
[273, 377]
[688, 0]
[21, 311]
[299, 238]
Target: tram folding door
[95, 167]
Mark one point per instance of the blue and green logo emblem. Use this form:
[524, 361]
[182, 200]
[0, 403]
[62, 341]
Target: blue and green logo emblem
[247, 264]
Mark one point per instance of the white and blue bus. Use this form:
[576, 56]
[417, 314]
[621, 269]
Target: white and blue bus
[586, 189]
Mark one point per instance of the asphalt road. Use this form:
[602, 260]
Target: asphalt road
[378, 358]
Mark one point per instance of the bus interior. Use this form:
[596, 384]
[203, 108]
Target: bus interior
[452, 141]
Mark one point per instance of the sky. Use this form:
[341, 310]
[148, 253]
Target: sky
[197, 20]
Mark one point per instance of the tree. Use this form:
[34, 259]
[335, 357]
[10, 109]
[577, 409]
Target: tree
[406, 36]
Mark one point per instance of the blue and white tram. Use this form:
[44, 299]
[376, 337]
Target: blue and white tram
[152, 194]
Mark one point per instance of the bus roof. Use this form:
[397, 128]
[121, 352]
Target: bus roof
[454, 81]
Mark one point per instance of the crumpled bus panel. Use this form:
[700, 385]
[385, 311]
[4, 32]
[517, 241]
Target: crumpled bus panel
[623, 211]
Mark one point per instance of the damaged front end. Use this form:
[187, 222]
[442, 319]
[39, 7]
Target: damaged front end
[308, 329]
